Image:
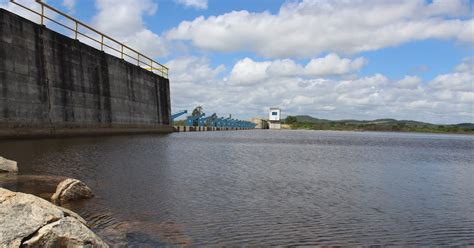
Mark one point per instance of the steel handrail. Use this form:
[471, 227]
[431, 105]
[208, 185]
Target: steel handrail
[152, 66]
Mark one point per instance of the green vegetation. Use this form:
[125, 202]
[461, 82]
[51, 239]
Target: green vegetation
[311, 123]
[291, 120]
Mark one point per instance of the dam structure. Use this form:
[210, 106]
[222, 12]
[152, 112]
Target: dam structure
[55, 85]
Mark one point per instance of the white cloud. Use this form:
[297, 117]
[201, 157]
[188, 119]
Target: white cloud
[449, 7]
[198, 4]
[409, 82]
[284, 67]
[249, 72]
[127, 24]
[127, 15]
[334, 65]
[193, 69]
[308, 28]
[457, 81]
[69, 4]
[447, 98]
[467, 65]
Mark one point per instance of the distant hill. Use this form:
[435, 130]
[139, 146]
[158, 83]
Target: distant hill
[466, 125]
[310, 119]
[309, 122]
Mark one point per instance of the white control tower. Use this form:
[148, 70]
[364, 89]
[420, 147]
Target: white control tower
[274, 118]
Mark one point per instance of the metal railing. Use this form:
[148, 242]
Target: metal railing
[140, 59]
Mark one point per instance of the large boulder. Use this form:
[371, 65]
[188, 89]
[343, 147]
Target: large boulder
[27, 220]
[66, 232]
[71, 190]
[7, 165]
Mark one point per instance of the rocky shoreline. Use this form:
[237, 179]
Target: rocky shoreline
[30, 221]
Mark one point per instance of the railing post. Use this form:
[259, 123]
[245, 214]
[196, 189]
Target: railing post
[138, 60]
[77, 27]
[121, 52]
[42, 13]
[102, 42]
[151, 65]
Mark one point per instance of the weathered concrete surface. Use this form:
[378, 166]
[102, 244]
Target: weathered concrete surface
[52, 85]
[71, 190]
[31, 221]
[7, 165]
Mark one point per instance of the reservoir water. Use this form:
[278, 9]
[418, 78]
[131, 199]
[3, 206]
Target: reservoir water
[262, 187]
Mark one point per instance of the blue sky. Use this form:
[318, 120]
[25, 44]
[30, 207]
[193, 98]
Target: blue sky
[426, 58]
[404, 59]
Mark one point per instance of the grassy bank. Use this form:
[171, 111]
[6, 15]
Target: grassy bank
[383, 125]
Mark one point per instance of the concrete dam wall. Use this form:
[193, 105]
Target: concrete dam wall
[52, 85]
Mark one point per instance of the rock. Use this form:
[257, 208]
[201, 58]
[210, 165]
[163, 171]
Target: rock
[22, 215]
[7, 165]
[71, 190]
[66, 232]
[27, 220]
[69, 213]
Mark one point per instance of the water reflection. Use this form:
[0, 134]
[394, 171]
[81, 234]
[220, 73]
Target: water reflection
[265, 188]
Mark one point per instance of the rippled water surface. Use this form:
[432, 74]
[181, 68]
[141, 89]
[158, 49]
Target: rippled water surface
[263, 187]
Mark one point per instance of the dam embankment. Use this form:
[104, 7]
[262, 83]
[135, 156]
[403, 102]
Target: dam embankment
[52, 85]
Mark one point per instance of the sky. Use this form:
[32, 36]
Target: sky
[332, 59]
